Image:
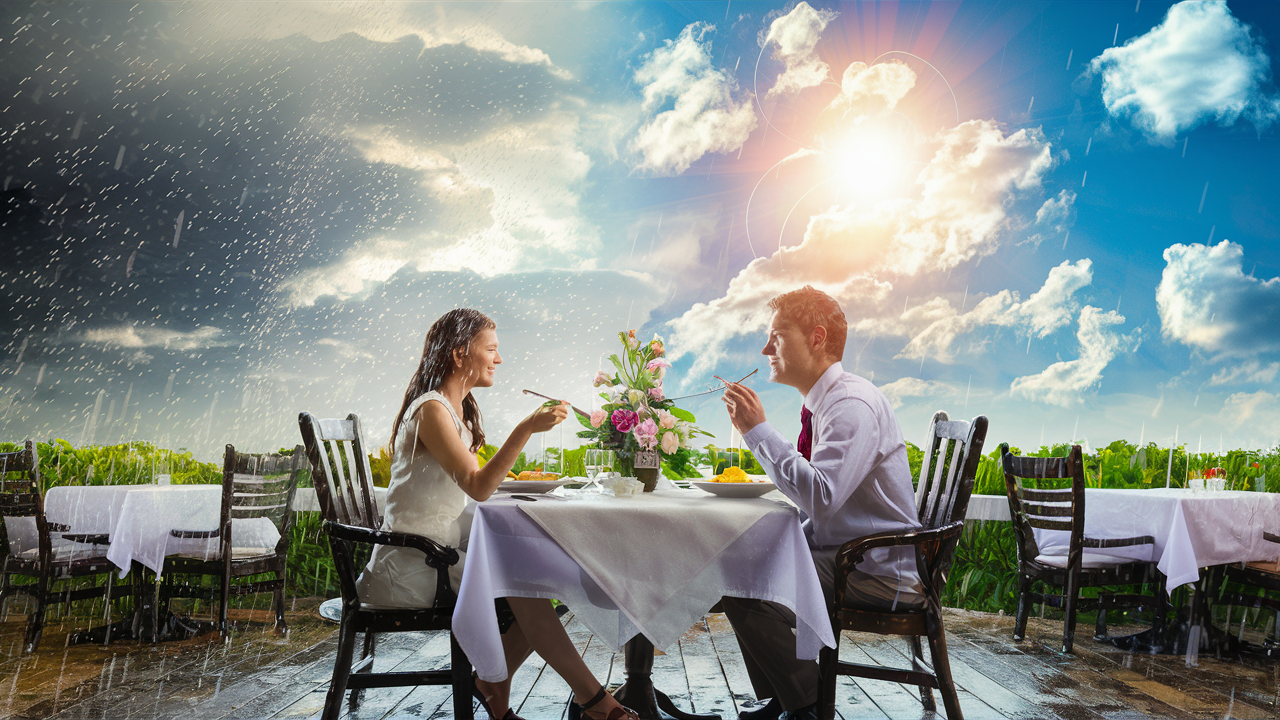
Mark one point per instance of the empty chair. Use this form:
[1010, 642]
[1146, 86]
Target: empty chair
[51, 557]
[340, 469]
[1261, 576]
[252, 534]
[1047, 494]
[942, 498]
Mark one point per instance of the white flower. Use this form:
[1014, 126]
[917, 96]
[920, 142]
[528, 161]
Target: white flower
[666, 420]
[670, 442]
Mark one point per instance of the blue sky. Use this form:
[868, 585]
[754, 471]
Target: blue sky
[1060, 215]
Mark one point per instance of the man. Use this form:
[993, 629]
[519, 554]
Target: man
[847, 473]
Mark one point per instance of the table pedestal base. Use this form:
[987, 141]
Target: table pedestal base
[150, 623]
[638, 692]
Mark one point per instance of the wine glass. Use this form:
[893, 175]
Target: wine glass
[593, 461]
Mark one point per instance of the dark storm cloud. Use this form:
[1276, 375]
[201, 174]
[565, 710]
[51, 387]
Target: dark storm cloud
[158, 189]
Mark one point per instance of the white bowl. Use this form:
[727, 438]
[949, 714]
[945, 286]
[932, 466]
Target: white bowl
[736, 490]
[622, 486]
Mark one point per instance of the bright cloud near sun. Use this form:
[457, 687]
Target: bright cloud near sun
[794, 38]
[709, 112]
[1200, 65]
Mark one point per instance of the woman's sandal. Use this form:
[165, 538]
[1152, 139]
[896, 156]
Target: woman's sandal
[618, 713]
[484, 702]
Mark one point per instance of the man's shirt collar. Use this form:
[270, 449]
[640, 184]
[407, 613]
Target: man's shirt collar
[824, 384]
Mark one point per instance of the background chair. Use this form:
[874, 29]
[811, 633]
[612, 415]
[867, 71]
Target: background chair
[1047, 494]
[47, 563]
[1263, 576]
[256, 489]
[942, 498]
[340, 469]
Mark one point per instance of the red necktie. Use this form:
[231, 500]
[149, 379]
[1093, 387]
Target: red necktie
[805, 442]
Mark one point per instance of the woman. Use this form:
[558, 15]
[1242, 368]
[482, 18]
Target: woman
[434, 470]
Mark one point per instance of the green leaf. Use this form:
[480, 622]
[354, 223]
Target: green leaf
[684, 415]
[586, 421]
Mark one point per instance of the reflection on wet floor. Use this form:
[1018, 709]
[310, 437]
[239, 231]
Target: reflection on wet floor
[260, 675]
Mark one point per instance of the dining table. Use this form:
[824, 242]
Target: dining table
[1192, 530]
[637, 571]
[135, 524]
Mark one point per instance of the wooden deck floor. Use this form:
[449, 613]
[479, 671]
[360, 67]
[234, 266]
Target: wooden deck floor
[260, 675]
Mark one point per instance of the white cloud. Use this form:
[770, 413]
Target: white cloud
[1199, 65]
[705, 116]
[137, 337]
[883, 84]
[435, 24]
[1063, 383]
[1258, 409]
[509, 201]
[908, 387]
[795, 37]
[1205, 300]
[1250, 371]
[1055, 217]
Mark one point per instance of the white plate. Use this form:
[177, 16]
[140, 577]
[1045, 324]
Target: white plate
[736, 490]
[534, 486]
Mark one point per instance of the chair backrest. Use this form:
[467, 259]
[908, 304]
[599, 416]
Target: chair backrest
[1044, 494]
[20, 492]
[340, 469]
[948, 469]
[259, 486]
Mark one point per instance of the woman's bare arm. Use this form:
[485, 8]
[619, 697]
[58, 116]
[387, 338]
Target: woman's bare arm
[439, 435]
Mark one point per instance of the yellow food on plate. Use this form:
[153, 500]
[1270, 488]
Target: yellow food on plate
[511, 475]
[732, 475]
[535, 475]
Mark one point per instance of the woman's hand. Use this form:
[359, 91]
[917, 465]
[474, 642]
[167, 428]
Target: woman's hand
[546, 417]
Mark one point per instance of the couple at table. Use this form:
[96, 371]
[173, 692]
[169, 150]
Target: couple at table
[847, 473]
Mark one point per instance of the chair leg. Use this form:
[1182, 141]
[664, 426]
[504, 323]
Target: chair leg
[1024, 607]
[281, 627]
[1070, 597]
[917, 664]
[829, 673]
[1100, 624]
[942, 665]
[341, 666]
[224, 597]
[35, 626]
[370, 646]
[460, 664]
[1162, 604]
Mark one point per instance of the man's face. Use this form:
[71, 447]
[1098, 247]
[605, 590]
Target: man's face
[787, 348]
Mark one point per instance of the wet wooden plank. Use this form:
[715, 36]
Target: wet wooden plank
[549, 697]
[891, 651]
[725, 645]
[708, 689]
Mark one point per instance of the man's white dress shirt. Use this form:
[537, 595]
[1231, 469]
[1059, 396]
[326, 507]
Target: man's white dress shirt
[857, 482]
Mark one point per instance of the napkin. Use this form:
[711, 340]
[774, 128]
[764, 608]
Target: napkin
[644, 549]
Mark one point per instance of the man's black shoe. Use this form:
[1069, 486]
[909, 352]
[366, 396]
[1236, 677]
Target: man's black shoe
[763, 711]
[808, 712]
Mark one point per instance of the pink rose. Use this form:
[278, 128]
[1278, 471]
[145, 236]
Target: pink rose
[657, 367]
[666, 420]
[602, 379]
[657, 349]
[597, 418]
[647, 435]
[624, 419]
[655, 393]
[670, 443]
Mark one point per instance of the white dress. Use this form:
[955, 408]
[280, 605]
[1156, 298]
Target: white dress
[424, 500]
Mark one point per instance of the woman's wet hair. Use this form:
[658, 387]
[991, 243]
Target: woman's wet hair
[455, 330]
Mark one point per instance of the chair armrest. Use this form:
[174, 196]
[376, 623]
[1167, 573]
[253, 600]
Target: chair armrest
[59, 527]
[1269, 537]
[1118, 542]
[438, 556]
[852, 552]
[196, 534]
[90, 538]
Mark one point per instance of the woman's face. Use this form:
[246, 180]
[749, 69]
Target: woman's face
[483, 360]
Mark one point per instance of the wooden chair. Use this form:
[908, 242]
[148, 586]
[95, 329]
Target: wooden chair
[254, 488]
[1050, 506]
[942, 499]
[20, 497]
[1261, 575]
[344, 487]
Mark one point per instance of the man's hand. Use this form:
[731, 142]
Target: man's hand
[744, 407]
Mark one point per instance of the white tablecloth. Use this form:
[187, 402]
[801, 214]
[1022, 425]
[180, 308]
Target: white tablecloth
[1192, 529]
[138, 519]
[510, 554]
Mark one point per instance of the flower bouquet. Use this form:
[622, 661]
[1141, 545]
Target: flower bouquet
[637, 418]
